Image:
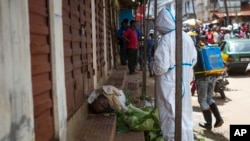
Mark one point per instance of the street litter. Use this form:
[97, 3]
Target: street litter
[109, 99]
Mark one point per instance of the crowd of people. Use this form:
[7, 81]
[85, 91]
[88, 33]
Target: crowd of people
[214, 34]
[130, 50]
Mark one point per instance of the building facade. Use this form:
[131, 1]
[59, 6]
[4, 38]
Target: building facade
[52, 55]
[202, 10]
[215, 10]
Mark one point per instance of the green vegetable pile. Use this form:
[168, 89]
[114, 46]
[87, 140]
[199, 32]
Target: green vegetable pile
[137, 119]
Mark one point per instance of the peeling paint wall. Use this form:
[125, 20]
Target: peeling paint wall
[16, 110]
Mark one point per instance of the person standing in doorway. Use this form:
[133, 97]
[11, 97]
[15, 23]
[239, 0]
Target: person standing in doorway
[131, 38]
[164, 69]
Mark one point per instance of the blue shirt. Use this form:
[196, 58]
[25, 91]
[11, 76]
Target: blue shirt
[138, 33]
[122, 30]
[150, 42]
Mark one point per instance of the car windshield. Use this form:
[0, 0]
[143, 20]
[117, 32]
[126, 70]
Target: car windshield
[239, 47]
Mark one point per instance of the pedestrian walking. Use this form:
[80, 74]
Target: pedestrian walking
[205, 88]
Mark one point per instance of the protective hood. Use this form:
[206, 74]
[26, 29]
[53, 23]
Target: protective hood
[165, 21]
[150, 7]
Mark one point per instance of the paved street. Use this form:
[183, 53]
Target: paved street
[234, 110]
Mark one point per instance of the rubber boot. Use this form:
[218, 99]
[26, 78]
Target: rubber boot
[215, 111]
[208, 118]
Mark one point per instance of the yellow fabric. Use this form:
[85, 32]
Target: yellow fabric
[224, 57]
[215, 72]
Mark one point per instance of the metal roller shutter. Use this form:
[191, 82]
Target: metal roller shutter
[78, 52]
[99, 39]
[41, 69]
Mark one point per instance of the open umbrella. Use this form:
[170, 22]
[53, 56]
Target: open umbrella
[192, 22]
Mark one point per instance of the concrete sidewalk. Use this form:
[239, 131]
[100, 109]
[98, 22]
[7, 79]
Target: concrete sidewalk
[134, 83]
[216, 134]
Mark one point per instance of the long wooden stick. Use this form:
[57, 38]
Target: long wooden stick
[178, 57]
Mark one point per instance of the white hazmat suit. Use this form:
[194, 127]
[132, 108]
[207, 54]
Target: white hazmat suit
[164, 69]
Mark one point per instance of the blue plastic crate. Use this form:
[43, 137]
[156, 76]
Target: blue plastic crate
[210, 57]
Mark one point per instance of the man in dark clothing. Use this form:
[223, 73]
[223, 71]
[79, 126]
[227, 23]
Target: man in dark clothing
[205, 87]
[122, 42]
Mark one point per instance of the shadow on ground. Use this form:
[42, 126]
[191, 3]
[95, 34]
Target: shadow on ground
[218, 99]
[210, 135]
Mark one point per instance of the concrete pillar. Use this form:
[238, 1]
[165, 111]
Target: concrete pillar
[105, 38]
[16, 102]
[94, 41]
[58, 74]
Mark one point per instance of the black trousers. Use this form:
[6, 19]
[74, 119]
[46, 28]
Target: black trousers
[122, 51]
[132, 59]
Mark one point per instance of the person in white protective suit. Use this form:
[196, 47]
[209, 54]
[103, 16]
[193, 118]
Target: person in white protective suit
[164, 69]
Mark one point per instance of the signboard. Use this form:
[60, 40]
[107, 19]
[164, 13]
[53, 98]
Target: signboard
[140, 13]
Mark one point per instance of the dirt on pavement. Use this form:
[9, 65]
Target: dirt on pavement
[200, 134]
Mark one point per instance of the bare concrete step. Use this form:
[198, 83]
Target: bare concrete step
[97, 128]
[103, 128]
[131, 136]
[118, 78]
[132, 89]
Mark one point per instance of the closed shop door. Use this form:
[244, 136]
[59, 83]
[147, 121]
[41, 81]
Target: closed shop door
[87, 46]
[99, 39]
[109, 33]
[41, 69]
[78, 52]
